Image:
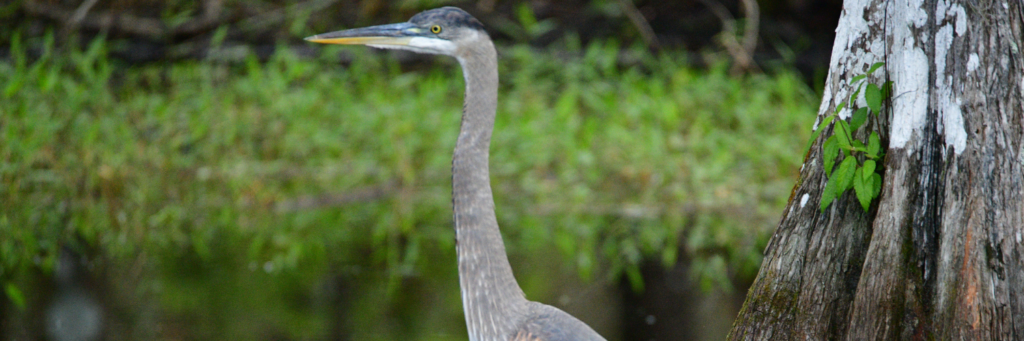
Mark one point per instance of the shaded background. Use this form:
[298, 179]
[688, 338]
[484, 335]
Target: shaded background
[193, 170]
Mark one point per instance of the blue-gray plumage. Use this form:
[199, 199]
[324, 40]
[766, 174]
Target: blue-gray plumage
[495, 306]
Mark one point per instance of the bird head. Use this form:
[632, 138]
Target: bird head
[446, 30]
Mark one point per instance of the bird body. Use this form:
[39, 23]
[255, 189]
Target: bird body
[494, 305]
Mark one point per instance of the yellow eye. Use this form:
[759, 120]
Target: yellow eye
[435, 29]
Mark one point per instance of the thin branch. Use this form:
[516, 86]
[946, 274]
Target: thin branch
[753, 13]
[336, 199]
[268, 18]
[124, 23]
[80, 13]
[741, 54]
[210, 19]
[487, 6]
[127, 23]
[638, 20]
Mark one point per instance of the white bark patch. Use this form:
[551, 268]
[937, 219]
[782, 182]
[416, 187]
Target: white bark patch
[956, 12]
[941, 7]
[961, 19]
[845, 113]
[943, 40]
[911, 68]
[853, 51]
[953, 121]
[803, 200]
[972, 62]
[951, 125]
[851, 26]
[915, 12]
[910, 95]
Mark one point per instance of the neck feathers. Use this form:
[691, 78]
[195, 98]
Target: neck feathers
[489, 290]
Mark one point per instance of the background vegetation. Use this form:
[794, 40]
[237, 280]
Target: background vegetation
[285, 195]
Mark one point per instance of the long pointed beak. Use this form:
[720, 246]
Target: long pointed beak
[392, 34]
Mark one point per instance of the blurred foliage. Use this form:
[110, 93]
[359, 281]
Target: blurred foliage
[230, 200]
[526, 27]
[152, 30]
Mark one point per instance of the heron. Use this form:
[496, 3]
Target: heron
[494, 304]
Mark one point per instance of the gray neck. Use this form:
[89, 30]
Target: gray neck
[490, 294]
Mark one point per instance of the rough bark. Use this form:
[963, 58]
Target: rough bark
[940, 254]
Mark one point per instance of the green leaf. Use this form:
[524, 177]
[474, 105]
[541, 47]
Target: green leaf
[222, 32]
[840, 107]
[844, 174]
[526, 17]
[829, 151]
[858, 147]
[13, 87]
[873, 145]
[876, 183]
[858, 118]
[874, 67]
[15, 295]
[828, 194]
[853, 97]
[810, 143]
[820, 128]
[824, 123]
[857, 78]
[863, 188]
[636, 280]
[873, 95]
[869, 168]
[842, 133]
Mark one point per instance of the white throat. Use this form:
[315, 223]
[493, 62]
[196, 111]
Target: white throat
[423, 45]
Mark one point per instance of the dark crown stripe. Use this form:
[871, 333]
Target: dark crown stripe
[451, 16]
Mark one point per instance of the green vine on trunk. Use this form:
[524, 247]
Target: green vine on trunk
[859, 166]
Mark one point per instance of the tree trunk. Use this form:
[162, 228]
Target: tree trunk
[939, 255]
